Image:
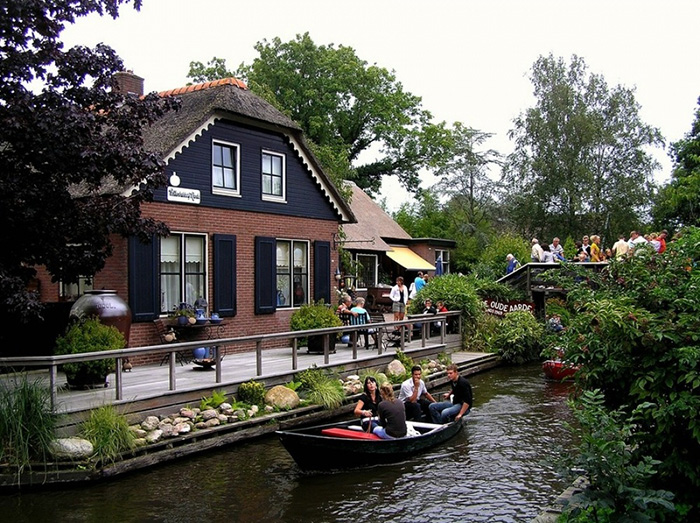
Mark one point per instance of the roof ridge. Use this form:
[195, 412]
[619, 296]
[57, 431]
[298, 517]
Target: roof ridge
[204, 85]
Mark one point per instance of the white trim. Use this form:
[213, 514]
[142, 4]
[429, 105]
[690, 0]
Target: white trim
[376, 268]
[323, 184]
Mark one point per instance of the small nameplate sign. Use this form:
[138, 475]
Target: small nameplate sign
[177, 194]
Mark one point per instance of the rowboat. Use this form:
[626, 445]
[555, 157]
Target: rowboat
[559, 370]
[345, 444]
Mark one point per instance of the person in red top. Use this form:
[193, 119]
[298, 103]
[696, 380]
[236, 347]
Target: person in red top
[662, 240]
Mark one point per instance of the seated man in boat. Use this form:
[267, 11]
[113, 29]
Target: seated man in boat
[461, 404]
[392, 415]
[415, 396]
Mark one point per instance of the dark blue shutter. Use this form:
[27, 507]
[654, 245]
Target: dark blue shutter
[322, 271]
[225, 274]
[265, 275]
[143, 279]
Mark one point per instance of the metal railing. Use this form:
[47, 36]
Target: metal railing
[171, 349]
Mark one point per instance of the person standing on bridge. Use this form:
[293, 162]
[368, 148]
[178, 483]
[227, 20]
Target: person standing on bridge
[537, 254]
[512, 264]
[462, 399]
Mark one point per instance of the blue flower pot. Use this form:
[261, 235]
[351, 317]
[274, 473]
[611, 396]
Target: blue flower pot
[199, 353]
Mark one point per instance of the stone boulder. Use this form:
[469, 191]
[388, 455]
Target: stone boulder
[68, 449]
[395, 368]
[150, 423]
[282, 397]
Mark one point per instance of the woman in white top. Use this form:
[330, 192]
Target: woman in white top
[399, 295]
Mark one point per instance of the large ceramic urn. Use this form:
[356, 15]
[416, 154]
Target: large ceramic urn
[107, 306]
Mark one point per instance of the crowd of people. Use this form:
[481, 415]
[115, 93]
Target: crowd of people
[385, 415]
[589, 249]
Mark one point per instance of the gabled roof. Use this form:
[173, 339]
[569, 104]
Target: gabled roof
[372, 222]
[230, 98]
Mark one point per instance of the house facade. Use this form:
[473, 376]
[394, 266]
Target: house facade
[252, 217]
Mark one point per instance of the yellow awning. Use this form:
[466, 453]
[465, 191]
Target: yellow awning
[409, 260]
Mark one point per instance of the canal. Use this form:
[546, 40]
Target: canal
[496, 470]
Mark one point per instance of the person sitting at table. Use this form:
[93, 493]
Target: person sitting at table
[344, 310]
[363, 317]
[392, 415]
[366, 407]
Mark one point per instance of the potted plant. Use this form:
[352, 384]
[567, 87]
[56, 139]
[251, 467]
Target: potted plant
[89, 335]
[315, 316]
[184, 314]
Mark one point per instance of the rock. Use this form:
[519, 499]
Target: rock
[232, 419]
[201, 425]
[226, 412]
[154, 436]
[150, 423]
[140, 442]
[223, 418]
[240, 414]
[255, 409]
[167, 430]
[209, 414]
[138, 431]
[250, 413]
[214, 422]
[183, 428]
[179, 420]
[381, 378]
[269, 408]
[187, 413]
[167, 420]
[282, 397]
[225, 406]
[70, 449]
[353, 377]
[395, 368]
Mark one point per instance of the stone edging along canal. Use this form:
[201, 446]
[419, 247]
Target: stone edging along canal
[42, 475]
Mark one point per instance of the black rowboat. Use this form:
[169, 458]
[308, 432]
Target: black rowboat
[344, 444]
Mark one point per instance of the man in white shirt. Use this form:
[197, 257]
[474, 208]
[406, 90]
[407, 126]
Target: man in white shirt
[415, 396]
[636, 240]
[537, 254]
[557, 250]
[620, 248]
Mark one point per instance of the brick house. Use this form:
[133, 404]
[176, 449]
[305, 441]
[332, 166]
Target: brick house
[252, 217]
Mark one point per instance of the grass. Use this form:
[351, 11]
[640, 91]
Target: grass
[26, 423]
[109, 433]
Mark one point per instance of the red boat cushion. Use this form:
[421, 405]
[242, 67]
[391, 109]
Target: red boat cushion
[347, 433]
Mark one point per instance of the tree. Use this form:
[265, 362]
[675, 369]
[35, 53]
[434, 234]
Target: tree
[580, 163]
[346, 107]
[677, 202]
[214, 70]
[69, 146]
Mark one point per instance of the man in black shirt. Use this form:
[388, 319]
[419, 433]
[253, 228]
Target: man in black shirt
[461, 402]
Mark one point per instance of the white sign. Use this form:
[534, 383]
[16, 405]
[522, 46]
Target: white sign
[177, 194]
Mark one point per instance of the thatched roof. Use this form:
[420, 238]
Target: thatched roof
[372, 222]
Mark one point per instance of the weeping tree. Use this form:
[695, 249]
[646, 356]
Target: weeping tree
[581, 163]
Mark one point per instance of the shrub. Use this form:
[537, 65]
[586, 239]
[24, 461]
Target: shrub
[313, 316]
[212, 402]
[457, 293]
[252, 392]
[89, 335]
[637, 337]
[484, 333]
[321, 388]
[26, 422]
[518, 337]
[493, 259]
[109, 433]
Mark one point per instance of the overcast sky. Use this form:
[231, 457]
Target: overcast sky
[468, 60]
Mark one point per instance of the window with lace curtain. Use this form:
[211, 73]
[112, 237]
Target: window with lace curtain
[183, 276]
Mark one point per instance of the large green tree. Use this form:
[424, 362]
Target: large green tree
[346, 106]
[581, 163]
[678, 202]
[69, 146]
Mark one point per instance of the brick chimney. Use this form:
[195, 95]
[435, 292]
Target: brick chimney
[128, 83]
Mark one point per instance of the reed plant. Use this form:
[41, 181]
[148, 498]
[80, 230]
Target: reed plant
[322, 389]
[26, 422]
[109, 433]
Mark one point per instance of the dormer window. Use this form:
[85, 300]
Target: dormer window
[225, 168]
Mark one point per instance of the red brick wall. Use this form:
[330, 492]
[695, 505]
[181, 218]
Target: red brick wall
[246, 226]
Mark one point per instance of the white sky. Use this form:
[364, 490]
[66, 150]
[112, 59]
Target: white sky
[468, 60]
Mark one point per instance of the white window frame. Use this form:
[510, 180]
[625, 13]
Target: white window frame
[290, 297]
[182, 269]
[273, 197]
[227, 191]
[445, 259]
[73, 291]
[376, 268]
